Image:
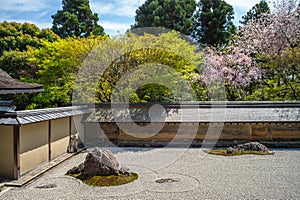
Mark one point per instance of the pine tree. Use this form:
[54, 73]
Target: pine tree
[170, 14]
[76, 19]
[213, 23]
[255, 12]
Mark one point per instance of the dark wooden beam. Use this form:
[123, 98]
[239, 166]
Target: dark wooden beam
[16, 152]
[49, 140]
[70, 127]
[70, 134]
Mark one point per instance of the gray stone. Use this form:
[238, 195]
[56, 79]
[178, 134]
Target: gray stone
[251, 146]
[230, 150]
[124, 170]
[73, 143]
[99, 162]
[48, 186]
[166, 180]
[76, 170]
[102, 163]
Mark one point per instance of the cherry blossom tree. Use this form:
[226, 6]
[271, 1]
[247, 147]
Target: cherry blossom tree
[272, 33]
[233, 69]
[270, 39]
[262, 60]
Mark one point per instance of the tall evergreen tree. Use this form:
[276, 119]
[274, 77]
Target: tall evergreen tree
[76, 19]
[213, 23]
[255, 12]
[171, 14]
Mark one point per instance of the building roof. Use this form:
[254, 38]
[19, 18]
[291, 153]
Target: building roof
[9, 85]
[201, 112]
[39, 115]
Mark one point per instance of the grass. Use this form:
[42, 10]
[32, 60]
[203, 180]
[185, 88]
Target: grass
[102, 181]
[223, 152]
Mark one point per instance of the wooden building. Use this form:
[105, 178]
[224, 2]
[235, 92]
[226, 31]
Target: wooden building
[30, 138]
[8, 85]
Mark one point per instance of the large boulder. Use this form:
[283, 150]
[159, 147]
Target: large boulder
[251, 146]
[99, 162]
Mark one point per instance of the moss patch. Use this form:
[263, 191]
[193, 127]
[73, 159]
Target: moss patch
[101, 181]
[223, 152]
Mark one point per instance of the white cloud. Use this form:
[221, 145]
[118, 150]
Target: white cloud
[125, 8]
[41, 25]
[22, 5]
[43, 14]
[243, 5]
[110, 27]
[101, 7]
[246, 5]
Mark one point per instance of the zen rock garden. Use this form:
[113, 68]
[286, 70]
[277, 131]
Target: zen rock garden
[101, 168]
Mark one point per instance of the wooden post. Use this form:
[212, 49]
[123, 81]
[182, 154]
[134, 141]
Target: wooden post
[250, 131]
[70, 126]
[49, 141]
[16, 152]
[70, 135]
[270, 137]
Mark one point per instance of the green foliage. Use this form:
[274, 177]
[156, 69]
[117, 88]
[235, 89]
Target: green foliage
[282, 80]
[155, 93]
[167, 59]
[17, 42]
[20, 100]
[16, 36]
[105, 181]
[15, 63]
[272, 39]
[76, 19]
[213, 23]
[255, 12]
[174, 15]
[58, 63]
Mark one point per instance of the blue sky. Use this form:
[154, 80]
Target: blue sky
[115, 15]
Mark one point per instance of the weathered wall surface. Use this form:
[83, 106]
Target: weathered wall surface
[59, 136]
[231, 133]
[6, 151]
[33, 145]
[38, 142]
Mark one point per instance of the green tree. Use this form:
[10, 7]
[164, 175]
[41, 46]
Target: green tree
[76, 19]
[58, 63]
[166, 60]
[282, 81]
[255, 12]
[273, 41]
[213, 23]
[16, 64]
[17, 36]
[170, 14]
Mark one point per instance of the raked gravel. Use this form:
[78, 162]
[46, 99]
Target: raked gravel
[197, 174]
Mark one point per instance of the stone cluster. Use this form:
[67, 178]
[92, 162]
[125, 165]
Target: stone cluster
[100, 162]
[251, 146]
